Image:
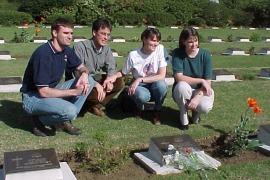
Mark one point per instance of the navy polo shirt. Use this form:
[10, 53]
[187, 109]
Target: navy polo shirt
[46, 67]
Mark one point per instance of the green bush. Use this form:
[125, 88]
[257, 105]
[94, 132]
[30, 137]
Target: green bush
[255, 37]
[8, 18]
[52, 17]
[129, 18]
[161, 19]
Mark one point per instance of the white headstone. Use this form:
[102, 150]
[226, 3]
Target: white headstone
[266, 39]
[264, 51]
[2, 41]
[119, 40]
[214, 39]
[129, 26]
[235, 51]
[242, 39]
[5, 55]
[222, 75]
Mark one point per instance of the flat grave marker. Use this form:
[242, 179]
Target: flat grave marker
[79, 38]
[235, 51]
[265, 73]
[214, 39]
[41, 164]
[2, 41]
[118, 39]
[128, 26]
[154, 158]
[40, 40]
[264, 51]
[10, 84]
[5, 55]
[78, 26]
[222, 75]
[242, 39]
[266, 39]
[115, 54]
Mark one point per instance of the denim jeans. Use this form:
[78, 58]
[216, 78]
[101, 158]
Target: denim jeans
[55, 110]
[146, 92]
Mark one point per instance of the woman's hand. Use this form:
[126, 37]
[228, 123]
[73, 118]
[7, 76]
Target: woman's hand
[133, 86]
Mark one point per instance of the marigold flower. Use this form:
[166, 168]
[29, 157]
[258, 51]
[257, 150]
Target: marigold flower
[25, 25]
[257, 110]
[252, 102]
[42, 18]
[144, 20]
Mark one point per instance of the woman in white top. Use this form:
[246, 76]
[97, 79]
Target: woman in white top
[148, 67]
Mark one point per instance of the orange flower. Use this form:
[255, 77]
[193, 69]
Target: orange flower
[42, 18]
[257, 110]
[37, 30]
[252, 102]
[25, 25]
[144, 20]
[229, 21]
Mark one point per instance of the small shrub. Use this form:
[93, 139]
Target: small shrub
[255, 37]
[230, 38]
[9, 18]
[248, 76]
[23, 37]
[251, 50]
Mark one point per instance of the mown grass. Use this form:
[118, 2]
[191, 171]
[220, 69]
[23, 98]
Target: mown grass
[121, 128]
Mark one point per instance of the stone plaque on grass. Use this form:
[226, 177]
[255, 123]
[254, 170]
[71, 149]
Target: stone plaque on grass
[5, 55]
[222, 75]
[158, 146]
[235, 51]
[40, 164]
[264, 51]
[265, 72]
[40, 40]
[10, 80]
[2, 41]
[264, 134]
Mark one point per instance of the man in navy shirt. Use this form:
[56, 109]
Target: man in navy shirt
[49, 101]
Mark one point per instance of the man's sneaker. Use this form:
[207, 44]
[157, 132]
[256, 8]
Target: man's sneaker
[38, 128]
[68, 128]
[195, 118]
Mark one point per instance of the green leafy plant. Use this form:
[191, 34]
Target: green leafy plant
[236, 141]
[255, 37]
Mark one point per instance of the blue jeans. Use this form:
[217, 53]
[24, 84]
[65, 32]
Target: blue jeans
[55, 110]
[146, 92]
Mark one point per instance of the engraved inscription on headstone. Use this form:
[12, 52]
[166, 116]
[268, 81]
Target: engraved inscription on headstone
[30, 160]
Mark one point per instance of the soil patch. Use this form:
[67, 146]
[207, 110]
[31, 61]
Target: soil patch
[131, 169]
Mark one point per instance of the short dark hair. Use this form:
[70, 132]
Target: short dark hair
[60, 22]
[101, 23]
[185, 34]
[151, 33]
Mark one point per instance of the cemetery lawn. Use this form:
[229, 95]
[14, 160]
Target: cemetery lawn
[120, 132]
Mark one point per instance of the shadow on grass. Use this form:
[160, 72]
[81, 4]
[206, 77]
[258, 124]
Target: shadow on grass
[169, 115]
[214, 129]
[13, 115]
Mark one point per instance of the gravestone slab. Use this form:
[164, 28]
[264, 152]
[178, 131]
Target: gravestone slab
[78, 26]
[222, 75]
[10, 84]
[119, 40]
[40, 40]
[214, 39]
[115, 54]
[264, 134]
[264, 51]
[242, 39]
[174, 27]
[151, 27]
[266, 39]
[158, 150]
[215, 27]
[79, 38]
[265, 72]
[5, 55]
[158, 146]
[235, 51]
[40, 164]
[2, 41]
[128, 26]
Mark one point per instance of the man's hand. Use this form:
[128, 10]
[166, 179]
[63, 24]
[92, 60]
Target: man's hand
[108, 86]
[100, 91]
[83, 81]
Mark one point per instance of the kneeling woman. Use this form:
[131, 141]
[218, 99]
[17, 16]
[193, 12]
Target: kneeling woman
[148, 67]
[192, 70]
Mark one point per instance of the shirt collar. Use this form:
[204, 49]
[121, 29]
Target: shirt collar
[52, 47]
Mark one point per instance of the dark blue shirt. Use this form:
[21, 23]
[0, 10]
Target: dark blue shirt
[46, 67]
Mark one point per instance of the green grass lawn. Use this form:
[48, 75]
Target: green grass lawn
[121, 129]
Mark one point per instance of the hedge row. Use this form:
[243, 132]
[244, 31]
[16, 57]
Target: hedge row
[8, 18]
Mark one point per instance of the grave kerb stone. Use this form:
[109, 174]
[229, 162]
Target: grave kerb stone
[119, 40]
[266, 39]
[242, 39]
[222, 75]
[128, 26]
[2, 41]
[5, 55]
[78, 26]
[264, 51]
[174, 27]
